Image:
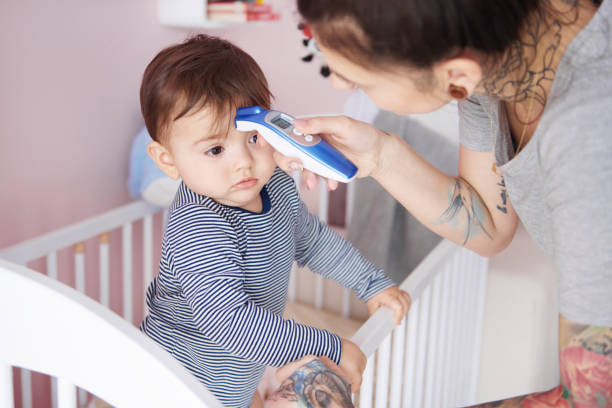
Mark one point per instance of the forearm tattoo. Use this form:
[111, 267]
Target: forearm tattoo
[465, 205]
[314, 385]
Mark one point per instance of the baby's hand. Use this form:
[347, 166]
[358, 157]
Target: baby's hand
[395, 299]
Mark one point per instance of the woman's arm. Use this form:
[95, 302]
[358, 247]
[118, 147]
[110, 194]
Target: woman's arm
[472, 209]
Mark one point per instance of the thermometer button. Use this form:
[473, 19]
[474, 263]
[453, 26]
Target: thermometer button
[297, 132]
[308, 138]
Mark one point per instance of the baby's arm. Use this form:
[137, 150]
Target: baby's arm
[328, 254]
[207, 264]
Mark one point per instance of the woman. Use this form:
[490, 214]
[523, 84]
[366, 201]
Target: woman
[533, 82]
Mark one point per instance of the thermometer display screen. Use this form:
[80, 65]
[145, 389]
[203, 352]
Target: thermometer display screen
[281, 123]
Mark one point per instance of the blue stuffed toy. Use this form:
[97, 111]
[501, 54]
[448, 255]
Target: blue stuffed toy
[146, 180]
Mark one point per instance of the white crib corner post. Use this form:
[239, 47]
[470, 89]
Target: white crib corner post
[6, 385]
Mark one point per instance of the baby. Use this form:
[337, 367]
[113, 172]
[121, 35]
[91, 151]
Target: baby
[234, 230]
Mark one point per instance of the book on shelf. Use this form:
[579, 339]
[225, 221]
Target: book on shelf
[238, 7]
[242, 16]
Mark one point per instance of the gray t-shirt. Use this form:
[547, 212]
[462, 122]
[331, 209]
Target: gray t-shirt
[560, 184]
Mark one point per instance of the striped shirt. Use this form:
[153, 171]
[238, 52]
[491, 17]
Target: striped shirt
[218, 300]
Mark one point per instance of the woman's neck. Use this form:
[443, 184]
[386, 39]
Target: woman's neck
[524, 75]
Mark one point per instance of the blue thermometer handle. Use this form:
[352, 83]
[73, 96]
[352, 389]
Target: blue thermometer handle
[315, 153]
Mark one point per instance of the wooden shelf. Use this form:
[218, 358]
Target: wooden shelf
[186, 14]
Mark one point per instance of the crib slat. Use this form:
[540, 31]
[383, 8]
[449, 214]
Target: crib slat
[292, 283]
[165, 215]
[147, 255]
[6, 386]
[323, 200]
[104, 269]
[346, 302]
[442, 358]
[53, 392]
[397, 364]
[323, 211]
[126, 241]
[382, 372]
[79, 267]
[79, 284]
[433, 342]
[466, 360]
[451, 346]
[26, 388]
[366, 393]
[410, 358]
[66, 394]
[463, 321]
[318, 292]
[422, 347]
[481, 268]
[52, 265]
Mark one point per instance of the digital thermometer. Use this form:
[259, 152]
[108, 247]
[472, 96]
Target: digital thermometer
[315, 153]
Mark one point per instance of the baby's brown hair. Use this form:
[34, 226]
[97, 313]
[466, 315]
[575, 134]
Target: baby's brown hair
[203, 71]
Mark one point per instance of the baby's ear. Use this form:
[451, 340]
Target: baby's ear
[163, 159]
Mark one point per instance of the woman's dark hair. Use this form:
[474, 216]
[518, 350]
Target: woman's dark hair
[203, 71]
[417, 32]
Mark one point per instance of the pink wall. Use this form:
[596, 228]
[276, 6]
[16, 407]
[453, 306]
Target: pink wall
[69, 81]
[69, 78]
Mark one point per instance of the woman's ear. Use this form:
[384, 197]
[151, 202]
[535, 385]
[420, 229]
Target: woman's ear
[163, 159]
[462, 71]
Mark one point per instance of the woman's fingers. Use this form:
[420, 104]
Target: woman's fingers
[335, 126]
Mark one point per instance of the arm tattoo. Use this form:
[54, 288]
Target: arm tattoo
[463, 201]
[504, 197]
[314, 386]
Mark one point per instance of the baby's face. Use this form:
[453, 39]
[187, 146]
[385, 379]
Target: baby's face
[227, 165]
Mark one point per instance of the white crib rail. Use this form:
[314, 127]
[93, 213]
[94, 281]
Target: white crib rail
[436, 349]
[48, 245]
[67, 335]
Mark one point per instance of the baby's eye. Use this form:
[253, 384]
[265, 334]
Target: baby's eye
[214, 151]
[253, 138]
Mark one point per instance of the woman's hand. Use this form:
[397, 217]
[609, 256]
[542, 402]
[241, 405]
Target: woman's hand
[360, 142]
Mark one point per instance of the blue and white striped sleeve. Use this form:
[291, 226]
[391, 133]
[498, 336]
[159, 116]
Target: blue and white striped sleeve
[206, 262]
[328, 254]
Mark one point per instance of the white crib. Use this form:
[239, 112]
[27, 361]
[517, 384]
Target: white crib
[430, 360]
